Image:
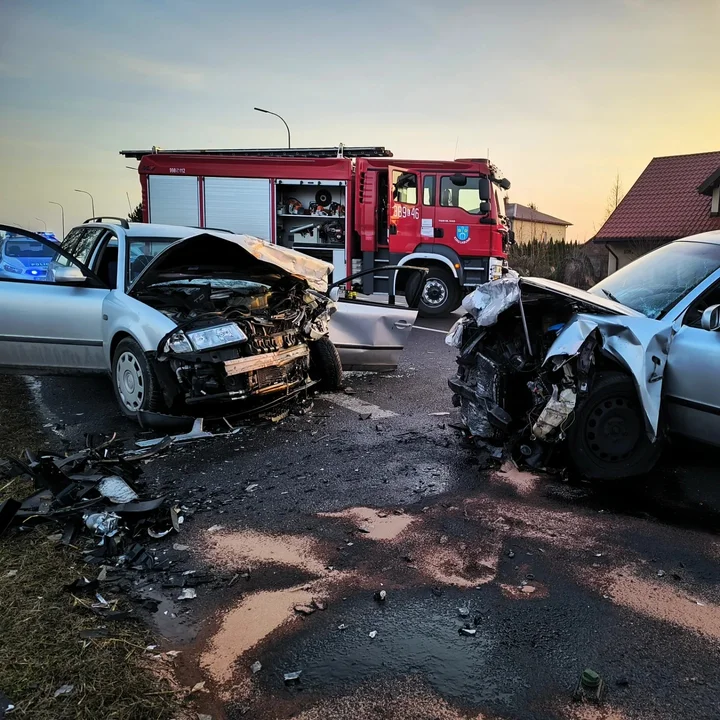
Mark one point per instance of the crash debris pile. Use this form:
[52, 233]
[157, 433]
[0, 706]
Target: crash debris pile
[531, 353]
[94, 496]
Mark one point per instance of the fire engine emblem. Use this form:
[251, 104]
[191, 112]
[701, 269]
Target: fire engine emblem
[462, 233]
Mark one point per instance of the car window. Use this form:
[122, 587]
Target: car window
[24, 258]
[465, 197]
[80, 243]
[141, 250]
[655, 282]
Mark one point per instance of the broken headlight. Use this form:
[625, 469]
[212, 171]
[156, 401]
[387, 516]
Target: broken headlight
[216, 336]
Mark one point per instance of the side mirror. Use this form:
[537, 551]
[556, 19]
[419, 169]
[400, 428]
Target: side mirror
[711, 318]
[484, 189]
[484, 207]
[66, 274]
[334, 294]
[458, 179]
[504, 184]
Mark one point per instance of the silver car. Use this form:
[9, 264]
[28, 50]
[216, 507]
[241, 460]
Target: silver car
[183, 315]
[605, 374]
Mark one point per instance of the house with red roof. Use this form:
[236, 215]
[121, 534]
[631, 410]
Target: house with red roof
[529, 224]
[675, 196]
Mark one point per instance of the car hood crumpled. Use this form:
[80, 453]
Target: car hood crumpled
[193, 250]
[639, 344]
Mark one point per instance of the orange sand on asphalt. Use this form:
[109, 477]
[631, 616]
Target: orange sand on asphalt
[381, 528]
[247, 624]
[523, 481]
[250, 547]
[664, 602]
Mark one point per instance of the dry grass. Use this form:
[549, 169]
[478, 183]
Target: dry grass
[40, 647]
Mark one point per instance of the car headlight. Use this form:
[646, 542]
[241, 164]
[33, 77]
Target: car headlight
[13, 269]
[178, 343]
[216, 336]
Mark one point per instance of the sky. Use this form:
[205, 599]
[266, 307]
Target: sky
[563, 94]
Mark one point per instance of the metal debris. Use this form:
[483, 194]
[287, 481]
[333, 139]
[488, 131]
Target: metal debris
[292, 678]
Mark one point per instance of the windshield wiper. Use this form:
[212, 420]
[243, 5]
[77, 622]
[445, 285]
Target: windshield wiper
[610, 295]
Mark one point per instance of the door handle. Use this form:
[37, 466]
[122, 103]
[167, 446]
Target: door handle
[402, 324]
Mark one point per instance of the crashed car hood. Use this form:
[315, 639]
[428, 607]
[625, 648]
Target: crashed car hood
[602, 304]
[188, 254]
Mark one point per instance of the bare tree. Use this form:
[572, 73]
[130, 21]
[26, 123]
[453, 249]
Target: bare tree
[617, 193]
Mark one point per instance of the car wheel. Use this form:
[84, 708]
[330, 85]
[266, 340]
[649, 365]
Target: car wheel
[440, 294]
[136, 387]
[607, 439]
[325, 365]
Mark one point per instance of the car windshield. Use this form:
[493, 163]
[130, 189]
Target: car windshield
[27, 248]
[141, 250]
[655, 282]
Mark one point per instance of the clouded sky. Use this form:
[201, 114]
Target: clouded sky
[563, 93]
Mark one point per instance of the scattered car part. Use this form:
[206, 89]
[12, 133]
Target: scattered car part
[590, 687]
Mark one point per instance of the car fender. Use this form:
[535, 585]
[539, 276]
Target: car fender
[128, 316]
[440, 254]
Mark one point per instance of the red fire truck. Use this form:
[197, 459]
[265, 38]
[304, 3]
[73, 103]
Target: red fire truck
[358, 208]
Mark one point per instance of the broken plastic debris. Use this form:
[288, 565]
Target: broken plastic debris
[196, 433]
[180, 548]
[187, 594]
[64, 690]
[115, 489]
[215, 528]
[292, 677]
[105, 523]
[463, 612]
[661, 573]
[380, 595]
[155, 534]
[251, 487]
[256, 667]
[198, 687]
[468, 631]
[372, 634]
[342, 626]
[555, 413]
[11, 573]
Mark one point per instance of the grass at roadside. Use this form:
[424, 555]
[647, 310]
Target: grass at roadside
[40, 646]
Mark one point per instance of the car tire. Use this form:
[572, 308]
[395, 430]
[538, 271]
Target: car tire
[134, 382]
[607, 439]
[411, 289]
[440, 295]
[325, 365]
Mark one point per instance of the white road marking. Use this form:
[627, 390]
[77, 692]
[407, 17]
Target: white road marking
[420, 327]
[359, 406]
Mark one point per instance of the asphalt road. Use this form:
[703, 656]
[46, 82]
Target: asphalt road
[375, 490]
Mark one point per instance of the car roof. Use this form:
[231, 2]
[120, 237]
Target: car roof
[713, 237]
[149, 229]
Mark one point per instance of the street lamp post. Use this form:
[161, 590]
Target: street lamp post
[92, 200]
[62, 215]
[43, 222]
[268, 112]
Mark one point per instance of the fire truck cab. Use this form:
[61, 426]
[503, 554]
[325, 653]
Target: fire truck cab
[357, 208]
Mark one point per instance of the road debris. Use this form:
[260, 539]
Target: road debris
[590, 687]
[292, 678]
[256, 667]
[380, 595]
[463, 612]
[304, 609]
[468, 630]
[372, 634]
[188, 594]
[64, 690]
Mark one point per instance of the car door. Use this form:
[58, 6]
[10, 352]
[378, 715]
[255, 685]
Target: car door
[51, 322]
[404, 220]
[371, 335]
[692, 381]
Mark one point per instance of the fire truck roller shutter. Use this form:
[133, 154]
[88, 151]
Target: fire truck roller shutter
[174, 200]
[242, 205]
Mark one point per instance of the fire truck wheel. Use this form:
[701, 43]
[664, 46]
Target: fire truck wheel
[325, 365]
[411, 289]
[440, 295]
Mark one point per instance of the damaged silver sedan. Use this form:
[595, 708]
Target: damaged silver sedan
[181, 316]
[599, 378]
